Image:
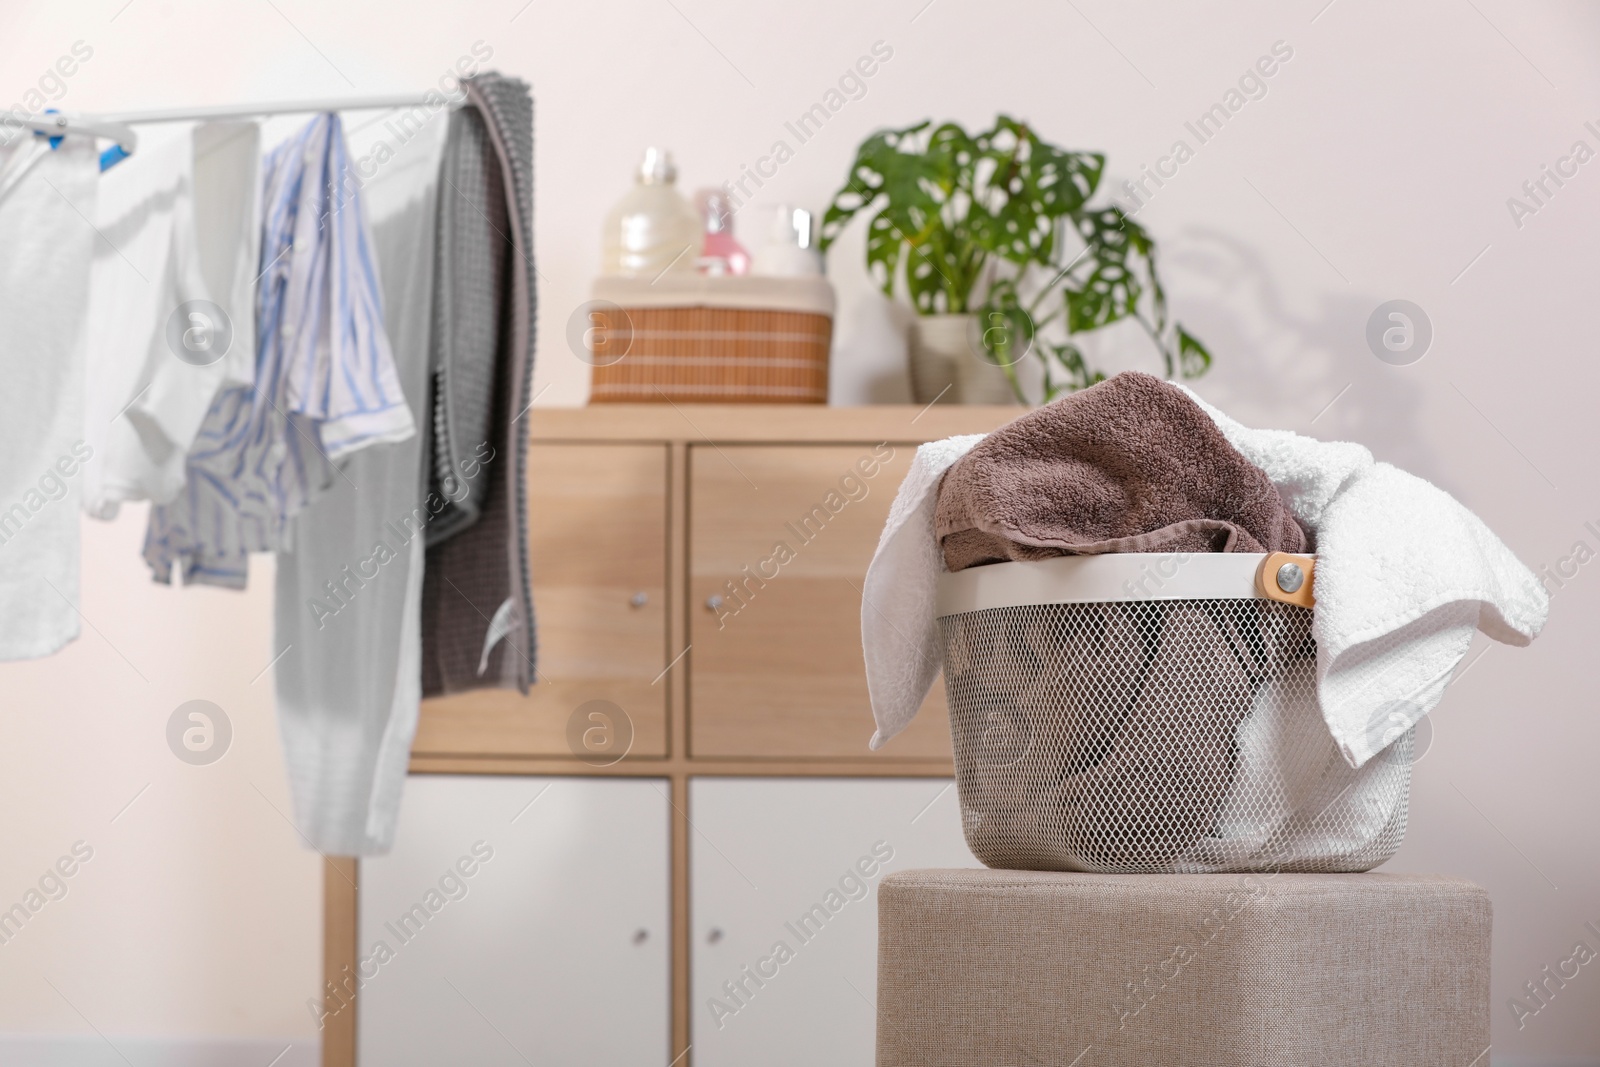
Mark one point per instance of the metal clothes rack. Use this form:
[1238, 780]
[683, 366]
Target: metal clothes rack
[118, 126]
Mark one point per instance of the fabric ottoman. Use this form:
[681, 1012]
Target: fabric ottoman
[1001, 968]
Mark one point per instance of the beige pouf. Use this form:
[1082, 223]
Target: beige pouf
[986, 967]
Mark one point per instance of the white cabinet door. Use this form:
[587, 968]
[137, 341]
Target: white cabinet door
[784, 909]
[518, 920]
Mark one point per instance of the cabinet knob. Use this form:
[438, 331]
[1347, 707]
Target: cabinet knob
[639, 599]
[640, 936]
[713, 602]
[714, 935]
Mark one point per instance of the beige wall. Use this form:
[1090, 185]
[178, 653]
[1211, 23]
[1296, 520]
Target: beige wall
[1377, 166]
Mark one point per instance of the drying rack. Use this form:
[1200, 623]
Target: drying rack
[117, 127]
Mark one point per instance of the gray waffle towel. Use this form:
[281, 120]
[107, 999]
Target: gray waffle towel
[477, 603]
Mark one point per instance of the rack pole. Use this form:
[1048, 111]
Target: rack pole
[238, 111]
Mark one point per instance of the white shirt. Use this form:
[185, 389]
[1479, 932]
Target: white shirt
[180, 224]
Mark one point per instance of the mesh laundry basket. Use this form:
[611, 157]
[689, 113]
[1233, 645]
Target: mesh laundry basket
[1154, 713]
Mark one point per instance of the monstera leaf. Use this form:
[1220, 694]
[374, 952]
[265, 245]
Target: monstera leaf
[1193, 358]
[1024, 187]
[1075, 371]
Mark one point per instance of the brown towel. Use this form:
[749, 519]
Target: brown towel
[1129, 465]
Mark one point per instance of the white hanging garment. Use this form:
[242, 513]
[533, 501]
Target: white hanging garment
[46, 240]
[171, 305]
[349, 585]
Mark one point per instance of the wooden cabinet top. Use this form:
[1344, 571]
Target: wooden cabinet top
[797, 423]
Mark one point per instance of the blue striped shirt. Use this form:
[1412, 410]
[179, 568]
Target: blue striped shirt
[325, 379]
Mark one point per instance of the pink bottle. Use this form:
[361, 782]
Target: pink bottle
[720, 254]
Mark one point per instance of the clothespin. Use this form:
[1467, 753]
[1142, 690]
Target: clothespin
[55, 141]
[55, 126]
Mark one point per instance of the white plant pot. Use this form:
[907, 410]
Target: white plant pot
[947, 363]
[979, 380]
[938, 342]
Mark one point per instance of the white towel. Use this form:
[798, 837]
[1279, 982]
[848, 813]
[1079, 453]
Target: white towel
[46, 202]
[1405, 575]
[899, 633]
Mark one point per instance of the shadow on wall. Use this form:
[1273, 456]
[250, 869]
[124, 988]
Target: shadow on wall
[1283, 367]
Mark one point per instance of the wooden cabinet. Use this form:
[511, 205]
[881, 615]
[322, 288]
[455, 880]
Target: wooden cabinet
[522, 920]
[597, 535]
[780, 862]
[780, 537]
[748, 789]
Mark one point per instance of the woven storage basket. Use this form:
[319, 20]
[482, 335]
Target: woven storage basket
[1153, 713]
[703, 339]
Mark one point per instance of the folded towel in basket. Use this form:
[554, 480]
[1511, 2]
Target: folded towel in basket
[1130, 465]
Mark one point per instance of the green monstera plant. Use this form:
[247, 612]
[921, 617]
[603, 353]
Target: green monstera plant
[1001, 224]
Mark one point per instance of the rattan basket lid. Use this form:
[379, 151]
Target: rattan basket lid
[752, 292]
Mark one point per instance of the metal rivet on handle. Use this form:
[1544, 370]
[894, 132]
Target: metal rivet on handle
[713, 602]
[639, 600]
[1290, 577]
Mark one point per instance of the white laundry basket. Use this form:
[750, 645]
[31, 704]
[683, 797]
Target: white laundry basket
[1154, 713]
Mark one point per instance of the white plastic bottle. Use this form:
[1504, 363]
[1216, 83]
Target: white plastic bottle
[652, 230]
[787, 251]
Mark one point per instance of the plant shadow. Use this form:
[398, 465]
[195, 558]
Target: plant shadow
[1295, 365]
